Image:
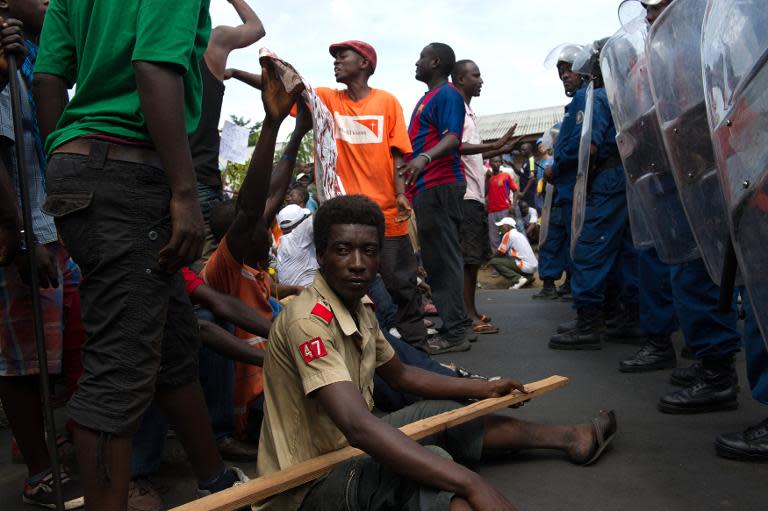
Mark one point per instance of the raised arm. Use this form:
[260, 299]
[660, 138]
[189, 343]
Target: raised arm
[246, 237]
[224, 39]
[251, 79]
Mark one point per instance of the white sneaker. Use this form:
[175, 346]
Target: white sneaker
[520, 283]
[394, 332]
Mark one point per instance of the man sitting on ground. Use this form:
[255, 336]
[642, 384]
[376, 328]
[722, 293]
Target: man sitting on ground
[324, 350]
[514, 259]
[530, 222]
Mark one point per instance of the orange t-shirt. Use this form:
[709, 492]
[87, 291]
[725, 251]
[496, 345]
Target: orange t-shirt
[366, 132]
[224, 274]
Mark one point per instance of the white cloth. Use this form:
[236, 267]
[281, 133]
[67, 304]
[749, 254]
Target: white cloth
[515, 244]
[296, 262]
[474, 170]
[532, 217]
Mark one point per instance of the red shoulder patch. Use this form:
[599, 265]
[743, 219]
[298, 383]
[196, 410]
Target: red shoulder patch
[322, 312]
[312, 349]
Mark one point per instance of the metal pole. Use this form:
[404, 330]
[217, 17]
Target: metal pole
[45, 385]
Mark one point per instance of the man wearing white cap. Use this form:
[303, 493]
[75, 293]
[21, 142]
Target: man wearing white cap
[296, 263]
[514, 258]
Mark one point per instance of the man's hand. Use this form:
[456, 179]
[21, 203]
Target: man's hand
[277, 101]
[412, 170]
[502, 387]
[303, 118]
[403, 208]
[506, 139]
[11, 43]
[484, 497]
[47, 273]
[187, 234]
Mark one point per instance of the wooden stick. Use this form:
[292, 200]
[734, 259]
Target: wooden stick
[259, 489]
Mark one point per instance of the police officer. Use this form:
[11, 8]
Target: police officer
[604, 251]
[554, 254]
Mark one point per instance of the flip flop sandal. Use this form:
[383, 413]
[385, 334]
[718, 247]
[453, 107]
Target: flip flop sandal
[485, 328]
[484, 318]
[603, 436]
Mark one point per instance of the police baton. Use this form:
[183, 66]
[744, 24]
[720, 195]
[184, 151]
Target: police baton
[728, 278]
[45, 385]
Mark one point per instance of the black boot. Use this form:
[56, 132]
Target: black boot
[716, 389]
[626, 326]
[686, 376]
[548, 292]
[748, 445]
[567, 326]
[564, 291]
[657, 353]
[586, 336]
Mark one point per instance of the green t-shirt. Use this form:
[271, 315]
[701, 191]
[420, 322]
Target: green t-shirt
[93, 43]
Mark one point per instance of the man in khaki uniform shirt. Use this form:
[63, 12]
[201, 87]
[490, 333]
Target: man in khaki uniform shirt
[318, 386]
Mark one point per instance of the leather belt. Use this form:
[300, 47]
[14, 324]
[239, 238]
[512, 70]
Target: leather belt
[120, 152]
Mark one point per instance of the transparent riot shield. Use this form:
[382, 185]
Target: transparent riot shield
[582, 175]
[674, 68]
[734, 58]
[624, 66]
[546, 211]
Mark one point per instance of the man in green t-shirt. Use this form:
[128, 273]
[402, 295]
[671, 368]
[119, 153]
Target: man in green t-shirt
[122, 188]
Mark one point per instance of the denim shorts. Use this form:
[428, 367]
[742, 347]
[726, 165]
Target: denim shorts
[113, 217]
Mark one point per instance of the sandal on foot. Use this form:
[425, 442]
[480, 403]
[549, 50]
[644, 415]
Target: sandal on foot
[485, 328]
[484, 318]
[603, 434]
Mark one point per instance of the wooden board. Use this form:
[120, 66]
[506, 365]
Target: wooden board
[267, 486]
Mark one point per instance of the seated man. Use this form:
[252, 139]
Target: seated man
[530, 222]
[296, 263]
[514, 258]
[324, 350]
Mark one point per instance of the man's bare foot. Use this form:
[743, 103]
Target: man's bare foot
[590, 440]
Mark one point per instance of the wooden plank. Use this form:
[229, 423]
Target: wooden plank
[267, 486]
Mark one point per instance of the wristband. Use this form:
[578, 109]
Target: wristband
[428, 157]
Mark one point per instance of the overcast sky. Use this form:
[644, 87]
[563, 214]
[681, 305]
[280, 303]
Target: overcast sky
[509, 40]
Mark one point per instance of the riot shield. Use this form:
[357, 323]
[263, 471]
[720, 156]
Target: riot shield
[623, 64]
[582, 175]
[674, 69]
[734, 59]
[549, 196]
[642, 238]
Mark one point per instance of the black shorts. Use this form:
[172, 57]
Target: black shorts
[113, 217]
[475, 246]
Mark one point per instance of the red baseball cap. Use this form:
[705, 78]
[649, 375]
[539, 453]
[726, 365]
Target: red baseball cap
[364, 49]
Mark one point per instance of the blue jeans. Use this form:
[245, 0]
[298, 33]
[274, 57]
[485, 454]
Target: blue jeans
[555, 255]
[708, 332]
[756, 354]
[657, 307]
[385, 397]
[386, 310]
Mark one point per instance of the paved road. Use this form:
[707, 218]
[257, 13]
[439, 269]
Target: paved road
[659, 462]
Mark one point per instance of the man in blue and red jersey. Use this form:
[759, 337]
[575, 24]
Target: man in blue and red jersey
[435, 176]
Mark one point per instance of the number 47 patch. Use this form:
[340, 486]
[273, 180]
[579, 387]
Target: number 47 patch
[312, 349]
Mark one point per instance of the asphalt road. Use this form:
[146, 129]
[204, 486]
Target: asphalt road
[658, 462]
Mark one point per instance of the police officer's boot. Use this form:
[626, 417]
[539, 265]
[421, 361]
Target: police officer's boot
[586, 336]
[657, 353]
[748, 445]
[685, 376]
[611, 311]
[625, 326]
[567, 326]
[548, 292]
[564, 291]
[716, 389]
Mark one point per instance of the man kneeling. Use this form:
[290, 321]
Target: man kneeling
[318, 380]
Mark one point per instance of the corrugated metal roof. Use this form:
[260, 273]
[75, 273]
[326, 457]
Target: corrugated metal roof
[529, 122]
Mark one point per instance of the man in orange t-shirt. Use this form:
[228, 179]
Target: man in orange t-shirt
[371, 138]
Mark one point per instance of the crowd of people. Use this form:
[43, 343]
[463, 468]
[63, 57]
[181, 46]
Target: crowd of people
[267, 325]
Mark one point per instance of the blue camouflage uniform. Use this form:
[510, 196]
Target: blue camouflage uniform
[554, 255]
[605, 247]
